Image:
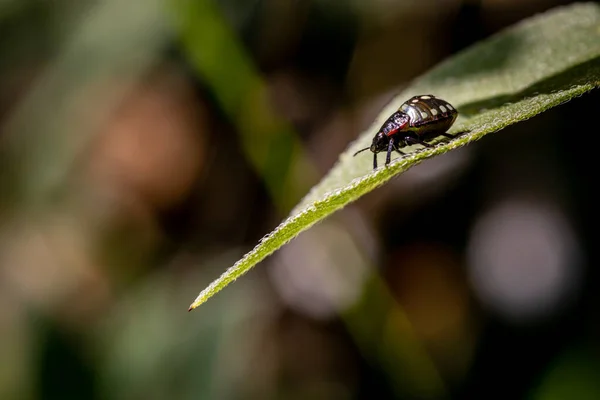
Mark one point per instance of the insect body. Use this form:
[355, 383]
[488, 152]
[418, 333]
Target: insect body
[418, 119]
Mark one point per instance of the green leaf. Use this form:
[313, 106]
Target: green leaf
[535, 65]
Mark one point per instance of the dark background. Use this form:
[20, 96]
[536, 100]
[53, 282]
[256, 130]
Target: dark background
[144, 149]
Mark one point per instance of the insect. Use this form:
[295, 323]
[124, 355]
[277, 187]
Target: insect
[418, 119]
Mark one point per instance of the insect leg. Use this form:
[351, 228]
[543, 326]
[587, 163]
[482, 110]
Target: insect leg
[398, 150]
[388, 156]
[374, 160]
[449, 136]
[414, 140]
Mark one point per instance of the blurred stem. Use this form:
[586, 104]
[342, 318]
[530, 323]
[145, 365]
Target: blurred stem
[382, 330]
[269, 142]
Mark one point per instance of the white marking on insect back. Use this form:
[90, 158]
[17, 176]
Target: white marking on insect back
[425, 97]
[434, 111]
[443, 109]
[449, 106]
[415, 100]
[413, 113]
[424, 115]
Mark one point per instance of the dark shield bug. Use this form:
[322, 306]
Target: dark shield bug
[418, 119]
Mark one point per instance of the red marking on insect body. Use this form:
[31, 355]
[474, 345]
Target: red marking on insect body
[392, 131]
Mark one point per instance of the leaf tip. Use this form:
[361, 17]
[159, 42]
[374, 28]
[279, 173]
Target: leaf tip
[195, 304]
[201, 299]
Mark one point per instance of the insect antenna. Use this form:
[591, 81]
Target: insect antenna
[361, 150]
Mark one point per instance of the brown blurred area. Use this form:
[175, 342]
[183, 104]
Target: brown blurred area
[131, 177]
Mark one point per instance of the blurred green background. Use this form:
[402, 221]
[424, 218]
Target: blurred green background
[146, 145]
